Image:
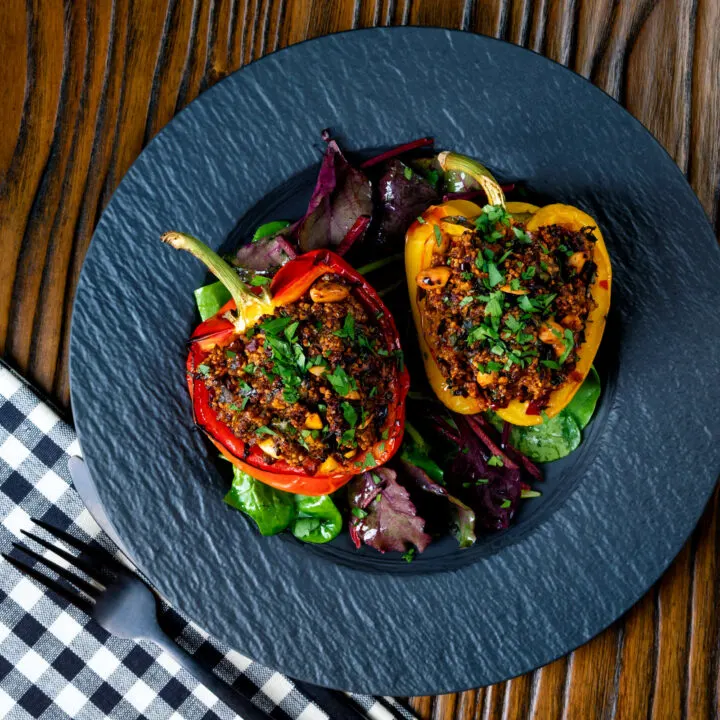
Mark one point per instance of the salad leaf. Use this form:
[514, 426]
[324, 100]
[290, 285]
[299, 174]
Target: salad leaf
[271, 509]
[414, 450]
[555, 438]
[462, 517]
[265, 254]
[383, 516]
[342, 195]
[491, 489]
[269, 229]
[403, 196]
[210, 298]
[582, 407]
[318, 520]
[310, 519]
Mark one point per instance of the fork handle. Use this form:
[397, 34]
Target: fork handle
[232, 698]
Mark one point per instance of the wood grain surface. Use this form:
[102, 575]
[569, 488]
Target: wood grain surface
[85, 84]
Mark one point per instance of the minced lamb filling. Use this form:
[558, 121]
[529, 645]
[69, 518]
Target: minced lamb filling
[310, 382]
[508, 322]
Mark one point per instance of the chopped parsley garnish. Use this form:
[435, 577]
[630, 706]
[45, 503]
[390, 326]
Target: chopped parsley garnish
[359, 513]
[569, 344]
[276, 325]
[515, 284]
[492, 366]
[496, 461]
[348, 438]
[408, 173]
[466, 301]
[348, 329]
[505, 504]
[373, 391]
[375, 478]
[385, 433]
[249, 368]
[203, 369]
[551, 364]
[349, 413]
[438, 235]
[529, 273]
[265, 430]
[495, 277]
[409, 556]
[369, 461]
[229, 354]
[341, 382]
[524, 303]
[521, 235]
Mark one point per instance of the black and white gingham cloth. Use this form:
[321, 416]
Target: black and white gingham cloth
[56, 662]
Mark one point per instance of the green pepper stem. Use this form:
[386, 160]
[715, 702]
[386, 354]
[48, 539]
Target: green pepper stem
[370, 267]
[222, 270]
[478, 172]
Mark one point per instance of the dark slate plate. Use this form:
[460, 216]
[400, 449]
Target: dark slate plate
[612, 516]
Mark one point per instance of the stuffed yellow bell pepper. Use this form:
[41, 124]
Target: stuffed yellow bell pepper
[509, 300]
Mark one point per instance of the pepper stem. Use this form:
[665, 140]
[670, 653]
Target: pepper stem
[478, 172]
[371, 267]
[249, 305]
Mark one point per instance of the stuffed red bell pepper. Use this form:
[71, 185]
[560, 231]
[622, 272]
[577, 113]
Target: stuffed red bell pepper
[300, 380]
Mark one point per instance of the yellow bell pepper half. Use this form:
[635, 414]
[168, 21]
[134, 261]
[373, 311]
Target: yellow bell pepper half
[421, 241]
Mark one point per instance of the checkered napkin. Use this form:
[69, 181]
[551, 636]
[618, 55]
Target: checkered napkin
[56, 662]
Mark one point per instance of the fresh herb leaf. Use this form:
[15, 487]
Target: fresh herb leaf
[258, 280]
[521, 235]
[359, 513]
[505, 504]
[569, 344]
[276, 325]
[348, 329]
[341, 382]
[265, 430]
[408, 173]
[438, 235]
[496, 461]
[203, 369]
[349, 413]
[495, 277]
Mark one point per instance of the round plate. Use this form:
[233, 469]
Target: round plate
[606, 527]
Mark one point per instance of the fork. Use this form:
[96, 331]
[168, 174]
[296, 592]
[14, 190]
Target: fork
[119, 601]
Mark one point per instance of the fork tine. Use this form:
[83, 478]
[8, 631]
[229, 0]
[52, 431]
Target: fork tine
[76, 560]
[72, 597]
[71, 577]
[97, 554]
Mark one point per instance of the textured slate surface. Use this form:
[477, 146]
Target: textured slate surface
[599, 538]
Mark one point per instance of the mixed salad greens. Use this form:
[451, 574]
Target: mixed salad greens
[463, 474]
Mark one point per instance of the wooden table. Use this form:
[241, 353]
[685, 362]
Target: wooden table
[85, 84]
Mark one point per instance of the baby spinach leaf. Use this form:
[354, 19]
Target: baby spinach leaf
[210, 298]
[582, 406]
[554, 439]
[271, 509]
[318, 520]
[310, 519]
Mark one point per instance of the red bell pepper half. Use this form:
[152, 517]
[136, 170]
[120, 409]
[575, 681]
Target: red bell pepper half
[291, 282]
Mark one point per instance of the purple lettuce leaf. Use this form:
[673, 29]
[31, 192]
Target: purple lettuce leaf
[403, 195]
[383, 516]
[490, 486]
[342, 195]
[266, 254]
[462, 517]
